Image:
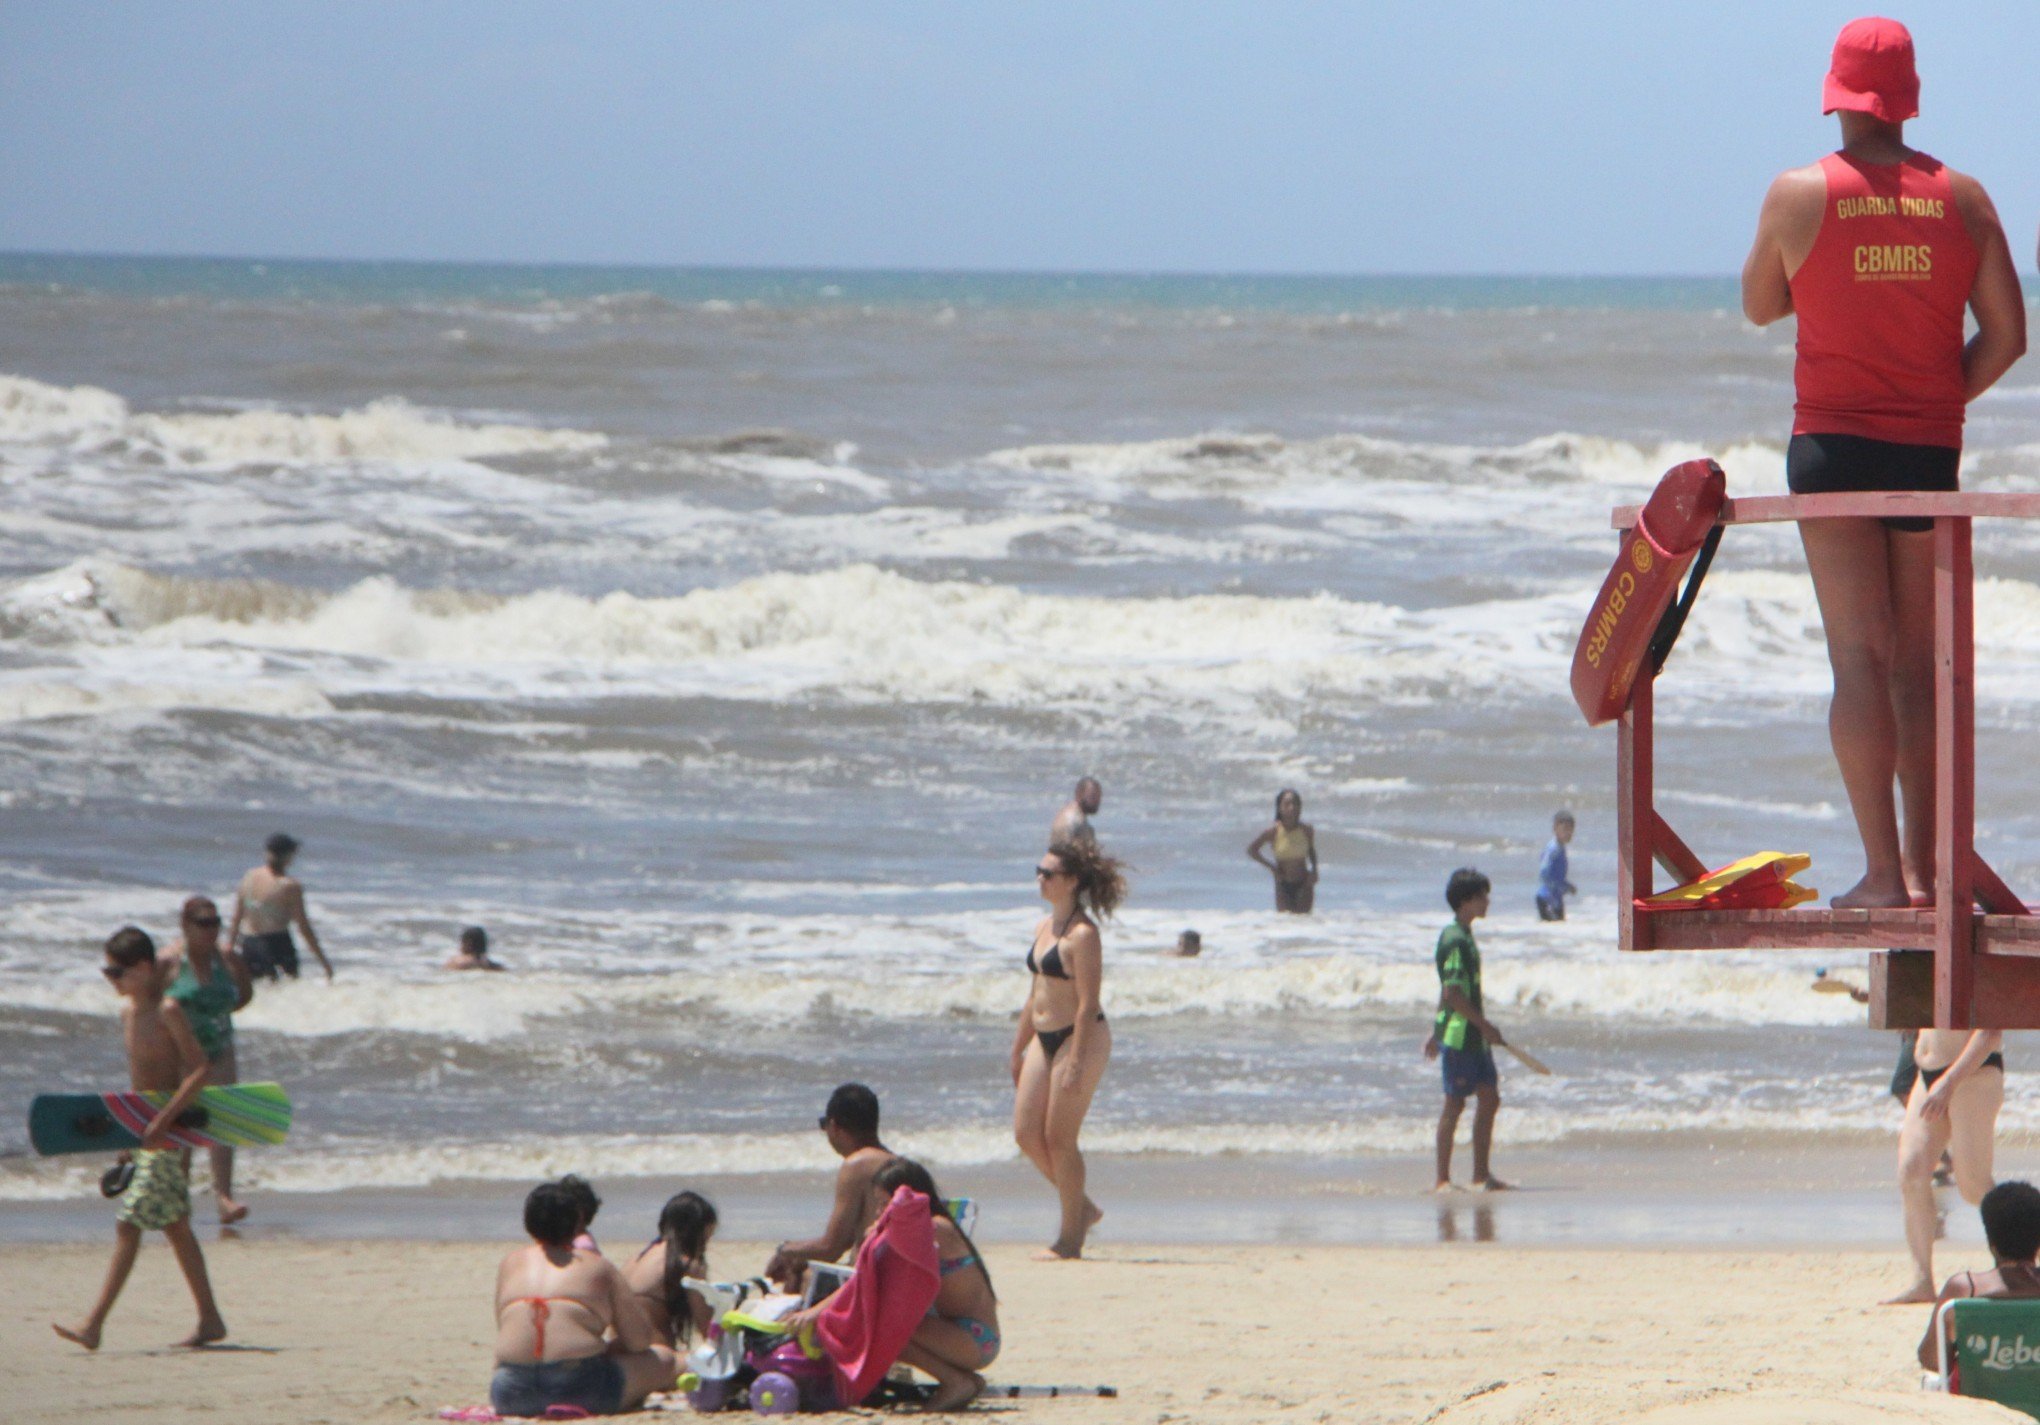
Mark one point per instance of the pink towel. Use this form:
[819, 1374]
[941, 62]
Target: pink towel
[868, 1323]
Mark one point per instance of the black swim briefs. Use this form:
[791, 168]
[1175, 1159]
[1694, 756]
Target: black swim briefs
[1835, 464]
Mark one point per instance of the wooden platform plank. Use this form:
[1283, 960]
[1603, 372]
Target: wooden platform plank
[1867, 504]
[1787, 929]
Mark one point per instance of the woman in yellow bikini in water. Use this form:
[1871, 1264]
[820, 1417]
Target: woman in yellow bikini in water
[1295, 847]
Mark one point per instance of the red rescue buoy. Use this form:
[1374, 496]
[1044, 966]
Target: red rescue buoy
[1655, 554]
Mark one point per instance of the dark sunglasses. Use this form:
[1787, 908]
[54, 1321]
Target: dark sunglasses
[114, 972]
[1044, 873]
[206, 922]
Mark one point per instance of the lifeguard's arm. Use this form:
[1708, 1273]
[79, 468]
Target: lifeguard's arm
[1083, 955]
[633, 1330]
[1995, 300]
[191, 1059]
[1786, 227]
[1254, 848]
[1455, 999]
[304, 923]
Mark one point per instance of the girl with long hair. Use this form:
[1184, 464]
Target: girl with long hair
[686, 1224]
[1064, 1043]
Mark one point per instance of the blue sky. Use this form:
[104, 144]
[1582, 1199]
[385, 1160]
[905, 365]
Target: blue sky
[1453, 136]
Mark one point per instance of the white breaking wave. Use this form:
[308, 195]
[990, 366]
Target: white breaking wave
[32, 412]
[863, 634]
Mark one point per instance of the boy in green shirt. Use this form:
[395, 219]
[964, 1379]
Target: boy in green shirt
[1461, 1036]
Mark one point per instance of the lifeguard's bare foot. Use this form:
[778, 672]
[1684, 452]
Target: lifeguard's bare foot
[1492, 1184]
[231, 1211]
[207, 1333]
[1874, 894]
[1919, 1294]
[1445, 1185]
[86, 1336]
[1058, 1252]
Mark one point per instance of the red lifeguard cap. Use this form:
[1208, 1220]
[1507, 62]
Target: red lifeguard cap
[1872, 71]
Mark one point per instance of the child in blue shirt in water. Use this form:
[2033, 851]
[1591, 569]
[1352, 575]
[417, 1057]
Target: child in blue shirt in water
[1552, 885]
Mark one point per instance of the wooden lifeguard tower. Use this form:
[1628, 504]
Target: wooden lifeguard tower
[1971, 960]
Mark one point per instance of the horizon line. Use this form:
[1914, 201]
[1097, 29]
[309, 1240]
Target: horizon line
[591, 264]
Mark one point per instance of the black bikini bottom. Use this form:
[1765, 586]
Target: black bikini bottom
[1928, 1076]
[1054, 1039]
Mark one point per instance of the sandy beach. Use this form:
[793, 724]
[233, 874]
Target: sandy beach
[364, 1332]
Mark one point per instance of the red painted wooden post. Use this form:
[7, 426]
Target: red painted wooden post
[1635, 819]
[1954, 774]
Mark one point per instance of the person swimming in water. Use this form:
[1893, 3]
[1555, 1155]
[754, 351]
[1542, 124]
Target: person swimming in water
[1073, 822]
[270, 901]
[1295, 866]
[1064, 1043]
[473, 953]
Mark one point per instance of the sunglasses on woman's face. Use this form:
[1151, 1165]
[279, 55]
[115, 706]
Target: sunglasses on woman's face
[1046, 873]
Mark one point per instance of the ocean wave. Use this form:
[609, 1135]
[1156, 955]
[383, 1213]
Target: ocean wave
[33, 412]
[1539, 1115]
[1272, 472]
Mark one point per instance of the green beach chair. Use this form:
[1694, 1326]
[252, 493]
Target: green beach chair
[1996, 1351]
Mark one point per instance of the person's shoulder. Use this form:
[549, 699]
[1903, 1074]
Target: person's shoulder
[1972, 200]
[1798, 192]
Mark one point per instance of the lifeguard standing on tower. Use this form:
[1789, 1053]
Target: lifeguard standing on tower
[1879, 249]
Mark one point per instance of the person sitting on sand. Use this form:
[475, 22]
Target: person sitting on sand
[1953, 1106]
[1295, 847]
[590, 1204]
[2011, 1225]
[851, 1125]
[473, 953]
[553, 1307]
[163, 1057]
[270, 902]
[656, 1274]
[960, 1335]
[1463, 1035]
[212, 986]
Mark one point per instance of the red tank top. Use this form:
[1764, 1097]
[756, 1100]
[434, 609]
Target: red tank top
[1880, 300]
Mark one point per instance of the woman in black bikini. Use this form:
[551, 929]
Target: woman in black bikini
[1061, 1050]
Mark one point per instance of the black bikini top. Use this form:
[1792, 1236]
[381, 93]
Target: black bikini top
[1051, 964]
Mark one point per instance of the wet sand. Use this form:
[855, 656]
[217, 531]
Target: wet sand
[1463, 1334]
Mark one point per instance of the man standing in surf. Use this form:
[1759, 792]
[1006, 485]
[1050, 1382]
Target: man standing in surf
[1878, 249]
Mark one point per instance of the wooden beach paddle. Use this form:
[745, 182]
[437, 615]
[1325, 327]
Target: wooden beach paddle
[1528, 1060]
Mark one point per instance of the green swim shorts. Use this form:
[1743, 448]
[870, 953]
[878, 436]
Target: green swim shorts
[160, 1194]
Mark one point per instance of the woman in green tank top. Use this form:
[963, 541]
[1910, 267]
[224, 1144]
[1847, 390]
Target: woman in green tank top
[210, 984]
